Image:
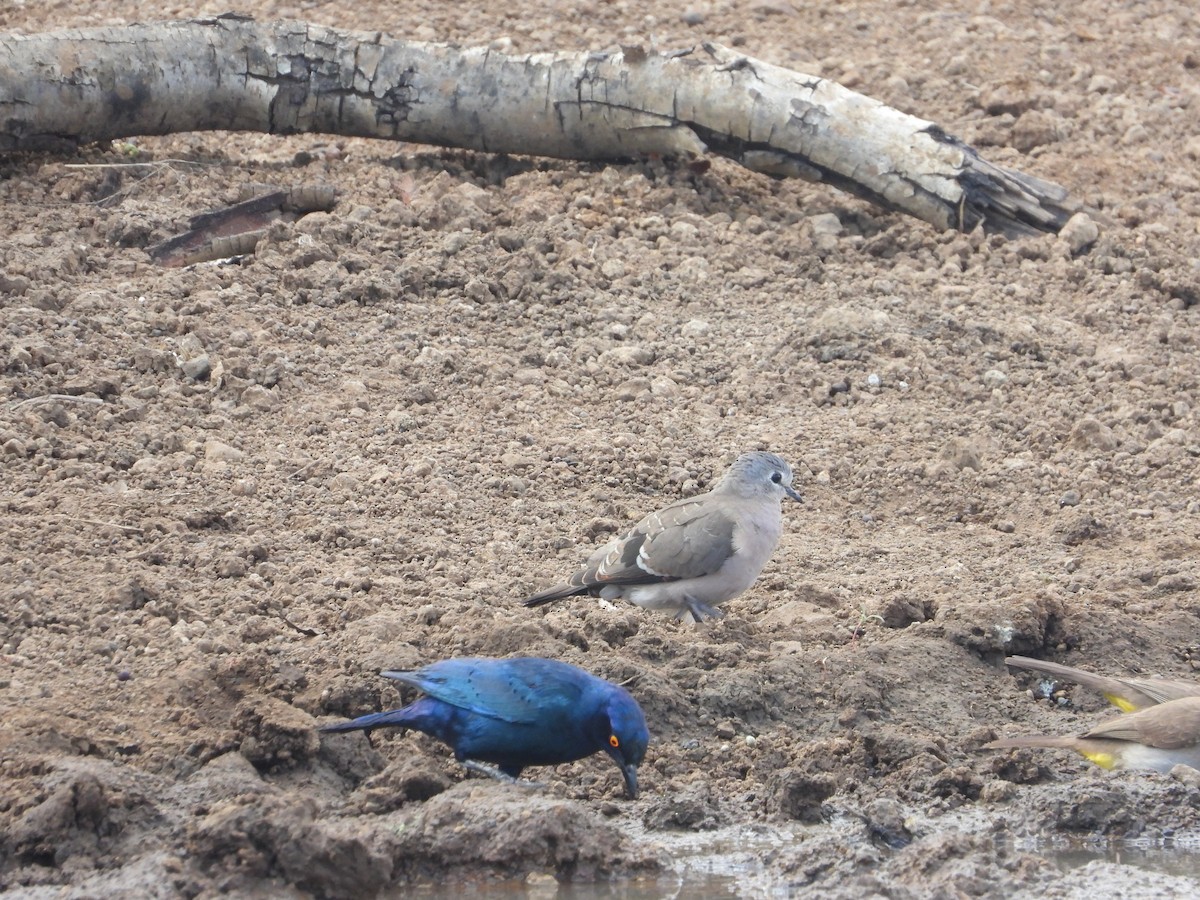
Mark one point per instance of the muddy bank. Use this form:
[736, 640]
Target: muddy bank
[234, 493]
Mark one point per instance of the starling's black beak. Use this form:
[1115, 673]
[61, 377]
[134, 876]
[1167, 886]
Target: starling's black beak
[793, 493]
[631, 786]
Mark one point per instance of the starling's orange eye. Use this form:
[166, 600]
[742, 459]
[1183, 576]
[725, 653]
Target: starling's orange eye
[613, 742]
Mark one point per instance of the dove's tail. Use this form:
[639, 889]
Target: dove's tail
[558, 592]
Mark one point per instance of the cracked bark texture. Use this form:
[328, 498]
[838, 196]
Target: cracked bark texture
[61, 89]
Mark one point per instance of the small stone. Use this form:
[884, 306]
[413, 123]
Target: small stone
[997, 791]
[147, 465]
[197, 368]
[612, 268]
[456, 242]
[725, 730]
[216, 451]
[258, 397]
[662, 386]
[631, 390]
[956, 455]
[1186, 775]
[429, 614]
[1080, 232]
[231, 566]
[529, 376]
[1179, 581]
[1092, 434]
[516, 461]
[1069, 498]
[244, 487]
[695, 328]
[344, 483]
[628, 355]
[692, 17]
[1035, 128]
[994, 378]
[1006, 526]
[510, 240]
[874, 381]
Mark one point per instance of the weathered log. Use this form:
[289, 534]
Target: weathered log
[61, 89]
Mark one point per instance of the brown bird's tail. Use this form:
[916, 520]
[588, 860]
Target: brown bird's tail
[1127, 694]
[1032, 740]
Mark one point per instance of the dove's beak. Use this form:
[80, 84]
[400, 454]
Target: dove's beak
[793, 493]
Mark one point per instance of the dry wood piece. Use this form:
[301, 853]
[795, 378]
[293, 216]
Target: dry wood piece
[234, 74]
[237, 229]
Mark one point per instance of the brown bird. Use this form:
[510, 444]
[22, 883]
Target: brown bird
[1127, 694]
[1158, 737]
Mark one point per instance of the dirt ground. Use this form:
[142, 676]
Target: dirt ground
[234, 493]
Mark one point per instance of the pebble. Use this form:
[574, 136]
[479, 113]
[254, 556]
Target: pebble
[1080, 232]
[197, 368]
[1069, 498]
[994, 378]
[1092, 434]
[344, 483]
[662, 386]
[516, 461]
[258, 397]
[629, 355]
[231, 566]
[216, 451]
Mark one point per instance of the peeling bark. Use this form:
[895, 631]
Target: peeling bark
[61, 89]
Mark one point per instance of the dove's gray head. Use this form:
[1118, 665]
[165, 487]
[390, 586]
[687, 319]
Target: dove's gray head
[758, 473]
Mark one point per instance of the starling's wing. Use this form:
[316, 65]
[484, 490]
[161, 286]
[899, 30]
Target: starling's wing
[1168, 726]
[521, 691]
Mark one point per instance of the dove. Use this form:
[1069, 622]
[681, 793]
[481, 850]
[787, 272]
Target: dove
[695, 554]
[518, 712]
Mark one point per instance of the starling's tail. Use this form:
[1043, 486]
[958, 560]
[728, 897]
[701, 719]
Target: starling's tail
[394, 718]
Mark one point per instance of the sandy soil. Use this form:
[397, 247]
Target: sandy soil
[420, 407]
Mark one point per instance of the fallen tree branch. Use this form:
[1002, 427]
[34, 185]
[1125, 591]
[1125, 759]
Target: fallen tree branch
[61, 89]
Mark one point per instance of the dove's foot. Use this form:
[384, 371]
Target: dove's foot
[699, 611]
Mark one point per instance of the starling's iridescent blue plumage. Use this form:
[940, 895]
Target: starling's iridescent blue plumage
[519, 712]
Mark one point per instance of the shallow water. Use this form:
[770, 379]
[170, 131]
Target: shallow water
[1168, 855]
[728, 863]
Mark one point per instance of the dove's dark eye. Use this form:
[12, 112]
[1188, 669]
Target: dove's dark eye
[777, 477]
